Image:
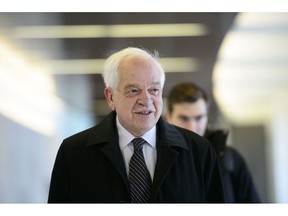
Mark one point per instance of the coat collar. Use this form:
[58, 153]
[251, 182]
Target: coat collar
[170, 135]
[105, 131]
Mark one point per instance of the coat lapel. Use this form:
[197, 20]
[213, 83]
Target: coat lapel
[165, 159]
[113, 153]
[106, 132]
[168, 138]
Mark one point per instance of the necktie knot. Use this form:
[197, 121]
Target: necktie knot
[138, 143]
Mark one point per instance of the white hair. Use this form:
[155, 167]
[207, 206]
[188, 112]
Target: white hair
[111, 66]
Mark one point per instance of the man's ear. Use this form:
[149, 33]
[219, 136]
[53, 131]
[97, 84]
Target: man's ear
[108, 92]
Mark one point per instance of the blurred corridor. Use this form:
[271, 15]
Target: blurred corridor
[51, 85]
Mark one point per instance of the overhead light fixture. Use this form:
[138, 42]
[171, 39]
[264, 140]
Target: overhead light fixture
[251, 67]
[111, 31]
[95, 66]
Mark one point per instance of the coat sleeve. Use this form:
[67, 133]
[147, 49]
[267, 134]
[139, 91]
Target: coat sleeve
[59, 185]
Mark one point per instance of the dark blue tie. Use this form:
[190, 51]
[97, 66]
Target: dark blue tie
[139, 176]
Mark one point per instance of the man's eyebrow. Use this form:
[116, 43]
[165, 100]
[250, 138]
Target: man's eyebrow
[131, 86]
[137, 86]
[201, 115]
[183, 116]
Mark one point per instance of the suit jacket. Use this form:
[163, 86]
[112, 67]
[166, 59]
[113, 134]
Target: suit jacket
[89, 168]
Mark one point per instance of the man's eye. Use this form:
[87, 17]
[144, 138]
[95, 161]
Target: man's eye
[154, 91]
[184, 118]
[199, 118]
[133, 92]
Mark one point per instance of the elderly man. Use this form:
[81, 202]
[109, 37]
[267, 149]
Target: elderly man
[134, 155]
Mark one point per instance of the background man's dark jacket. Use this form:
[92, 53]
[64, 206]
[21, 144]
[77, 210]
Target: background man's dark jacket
[89, 168]
[238, 182]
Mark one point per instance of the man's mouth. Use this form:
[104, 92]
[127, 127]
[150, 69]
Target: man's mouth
[144, 112]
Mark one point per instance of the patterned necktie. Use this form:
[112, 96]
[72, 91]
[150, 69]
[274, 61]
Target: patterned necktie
[139, 176]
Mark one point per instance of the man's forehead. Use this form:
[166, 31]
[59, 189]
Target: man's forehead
[188, 106]
[188, 111]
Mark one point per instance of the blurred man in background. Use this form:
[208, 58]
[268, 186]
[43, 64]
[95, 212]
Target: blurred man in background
[188, 108]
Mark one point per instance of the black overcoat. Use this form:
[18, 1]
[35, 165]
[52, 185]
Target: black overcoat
[89, 167]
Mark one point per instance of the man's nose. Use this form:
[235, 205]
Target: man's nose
[144, 98]
[192, 125]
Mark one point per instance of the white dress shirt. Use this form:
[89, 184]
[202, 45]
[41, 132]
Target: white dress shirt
[127, 148]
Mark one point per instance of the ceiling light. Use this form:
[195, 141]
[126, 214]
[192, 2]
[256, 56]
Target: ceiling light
[112, 31]
[251, 68]
[95, 66]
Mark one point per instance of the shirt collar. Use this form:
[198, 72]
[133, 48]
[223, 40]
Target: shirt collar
[126, 137]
